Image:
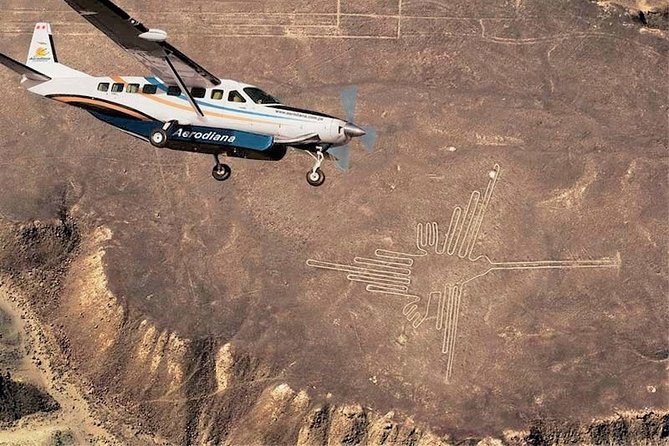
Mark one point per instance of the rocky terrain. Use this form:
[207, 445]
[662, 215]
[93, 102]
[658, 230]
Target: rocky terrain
[651, 14]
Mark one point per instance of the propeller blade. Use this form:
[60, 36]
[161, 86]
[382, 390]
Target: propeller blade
[341, 157]
[367, 135]
[349, 98]
[369, 139]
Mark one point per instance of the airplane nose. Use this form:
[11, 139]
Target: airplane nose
[353, 130]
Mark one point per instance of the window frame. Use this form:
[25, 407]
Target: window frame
[133, 87]
[103, 87]
[215, 91]
[115, 87]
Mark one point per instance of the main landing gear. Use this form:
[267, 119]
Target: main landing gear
[158, 137]
[220, 172]
[315, 176]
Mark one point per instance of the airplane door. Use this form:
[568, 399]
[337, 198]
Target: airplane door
[239, 102]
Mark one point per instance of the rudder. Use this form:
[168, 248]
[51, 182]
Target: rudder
[42, 55]
[42, 50]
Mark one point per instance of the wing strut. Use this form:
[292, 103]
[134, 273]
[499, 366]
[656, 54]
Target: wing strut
[183, 87]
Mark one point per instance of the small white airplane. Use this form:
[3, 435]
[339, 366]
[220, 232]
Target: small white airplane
[182, 106]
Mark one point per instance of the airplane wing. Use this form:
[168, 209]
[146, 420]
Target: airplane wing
[149, 46]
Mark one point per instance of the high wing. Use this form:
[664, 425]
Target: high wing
[151, 48]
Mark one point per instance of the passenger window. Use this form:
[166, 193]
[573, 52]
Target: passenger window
[132, 88]
[103, 86]
[217, 94]
[234, 96]
[198, 92]
[173, 91]
[117, 88]
[149, 89]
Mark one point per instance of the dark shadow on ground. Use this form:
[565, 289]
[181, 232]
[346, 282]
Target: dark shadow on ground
[19, 399]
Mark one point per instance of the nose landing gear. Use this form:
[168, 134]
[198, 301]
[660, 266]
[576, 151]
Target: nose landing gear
[315, 176]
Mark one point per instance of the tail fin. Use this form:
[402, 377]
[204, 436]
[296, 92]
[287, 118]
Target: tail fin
[42, 55]
[42, 50]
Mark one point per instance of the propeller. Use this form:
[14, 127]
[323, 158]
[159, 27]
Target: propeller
[367, 135]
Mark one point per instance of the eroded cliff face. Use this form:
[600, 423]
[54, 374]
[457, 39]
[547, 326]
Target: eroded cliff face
[653, 14]
[211, 391]
[204, 391]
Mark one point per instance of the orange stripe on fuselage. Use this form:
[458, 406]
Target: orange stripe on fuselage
[101, 104]
[207, 113]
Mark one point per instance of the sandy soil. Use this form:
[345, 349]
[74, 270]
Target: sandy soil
[75, 422]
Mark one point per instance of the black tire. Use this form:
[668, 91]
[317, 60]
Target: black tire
[158, 138]
[316, 178]
[221, 172]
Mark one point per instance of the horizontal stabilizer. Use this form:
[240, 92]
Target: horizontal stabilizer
[18, 67]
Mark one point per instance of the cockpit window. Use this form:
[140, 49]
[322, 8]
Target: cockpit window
[260, 97]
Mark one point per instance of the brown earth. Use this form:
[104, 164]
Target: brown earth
[183, 311]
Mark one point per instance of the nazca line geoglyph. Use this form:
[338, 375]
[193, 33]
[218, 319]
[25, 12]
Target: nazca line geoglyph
[390, 272]
[327, 19]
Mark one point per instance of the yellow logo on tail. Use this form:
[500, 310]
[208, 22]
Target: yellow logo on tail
[41, 52]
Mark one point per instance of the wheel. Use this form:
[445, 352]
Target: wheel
[316, 178]
[221, 172]
[158, 138]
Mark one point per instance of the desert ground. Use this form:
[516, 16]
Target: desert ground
[494, 271]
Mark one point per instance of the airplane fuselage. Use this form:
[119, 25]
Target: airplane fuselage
[182, 106]
[227, 106]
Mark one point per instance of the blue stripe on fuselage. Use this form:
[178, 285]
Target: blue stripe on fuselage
[163, 87]
[142, 128]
